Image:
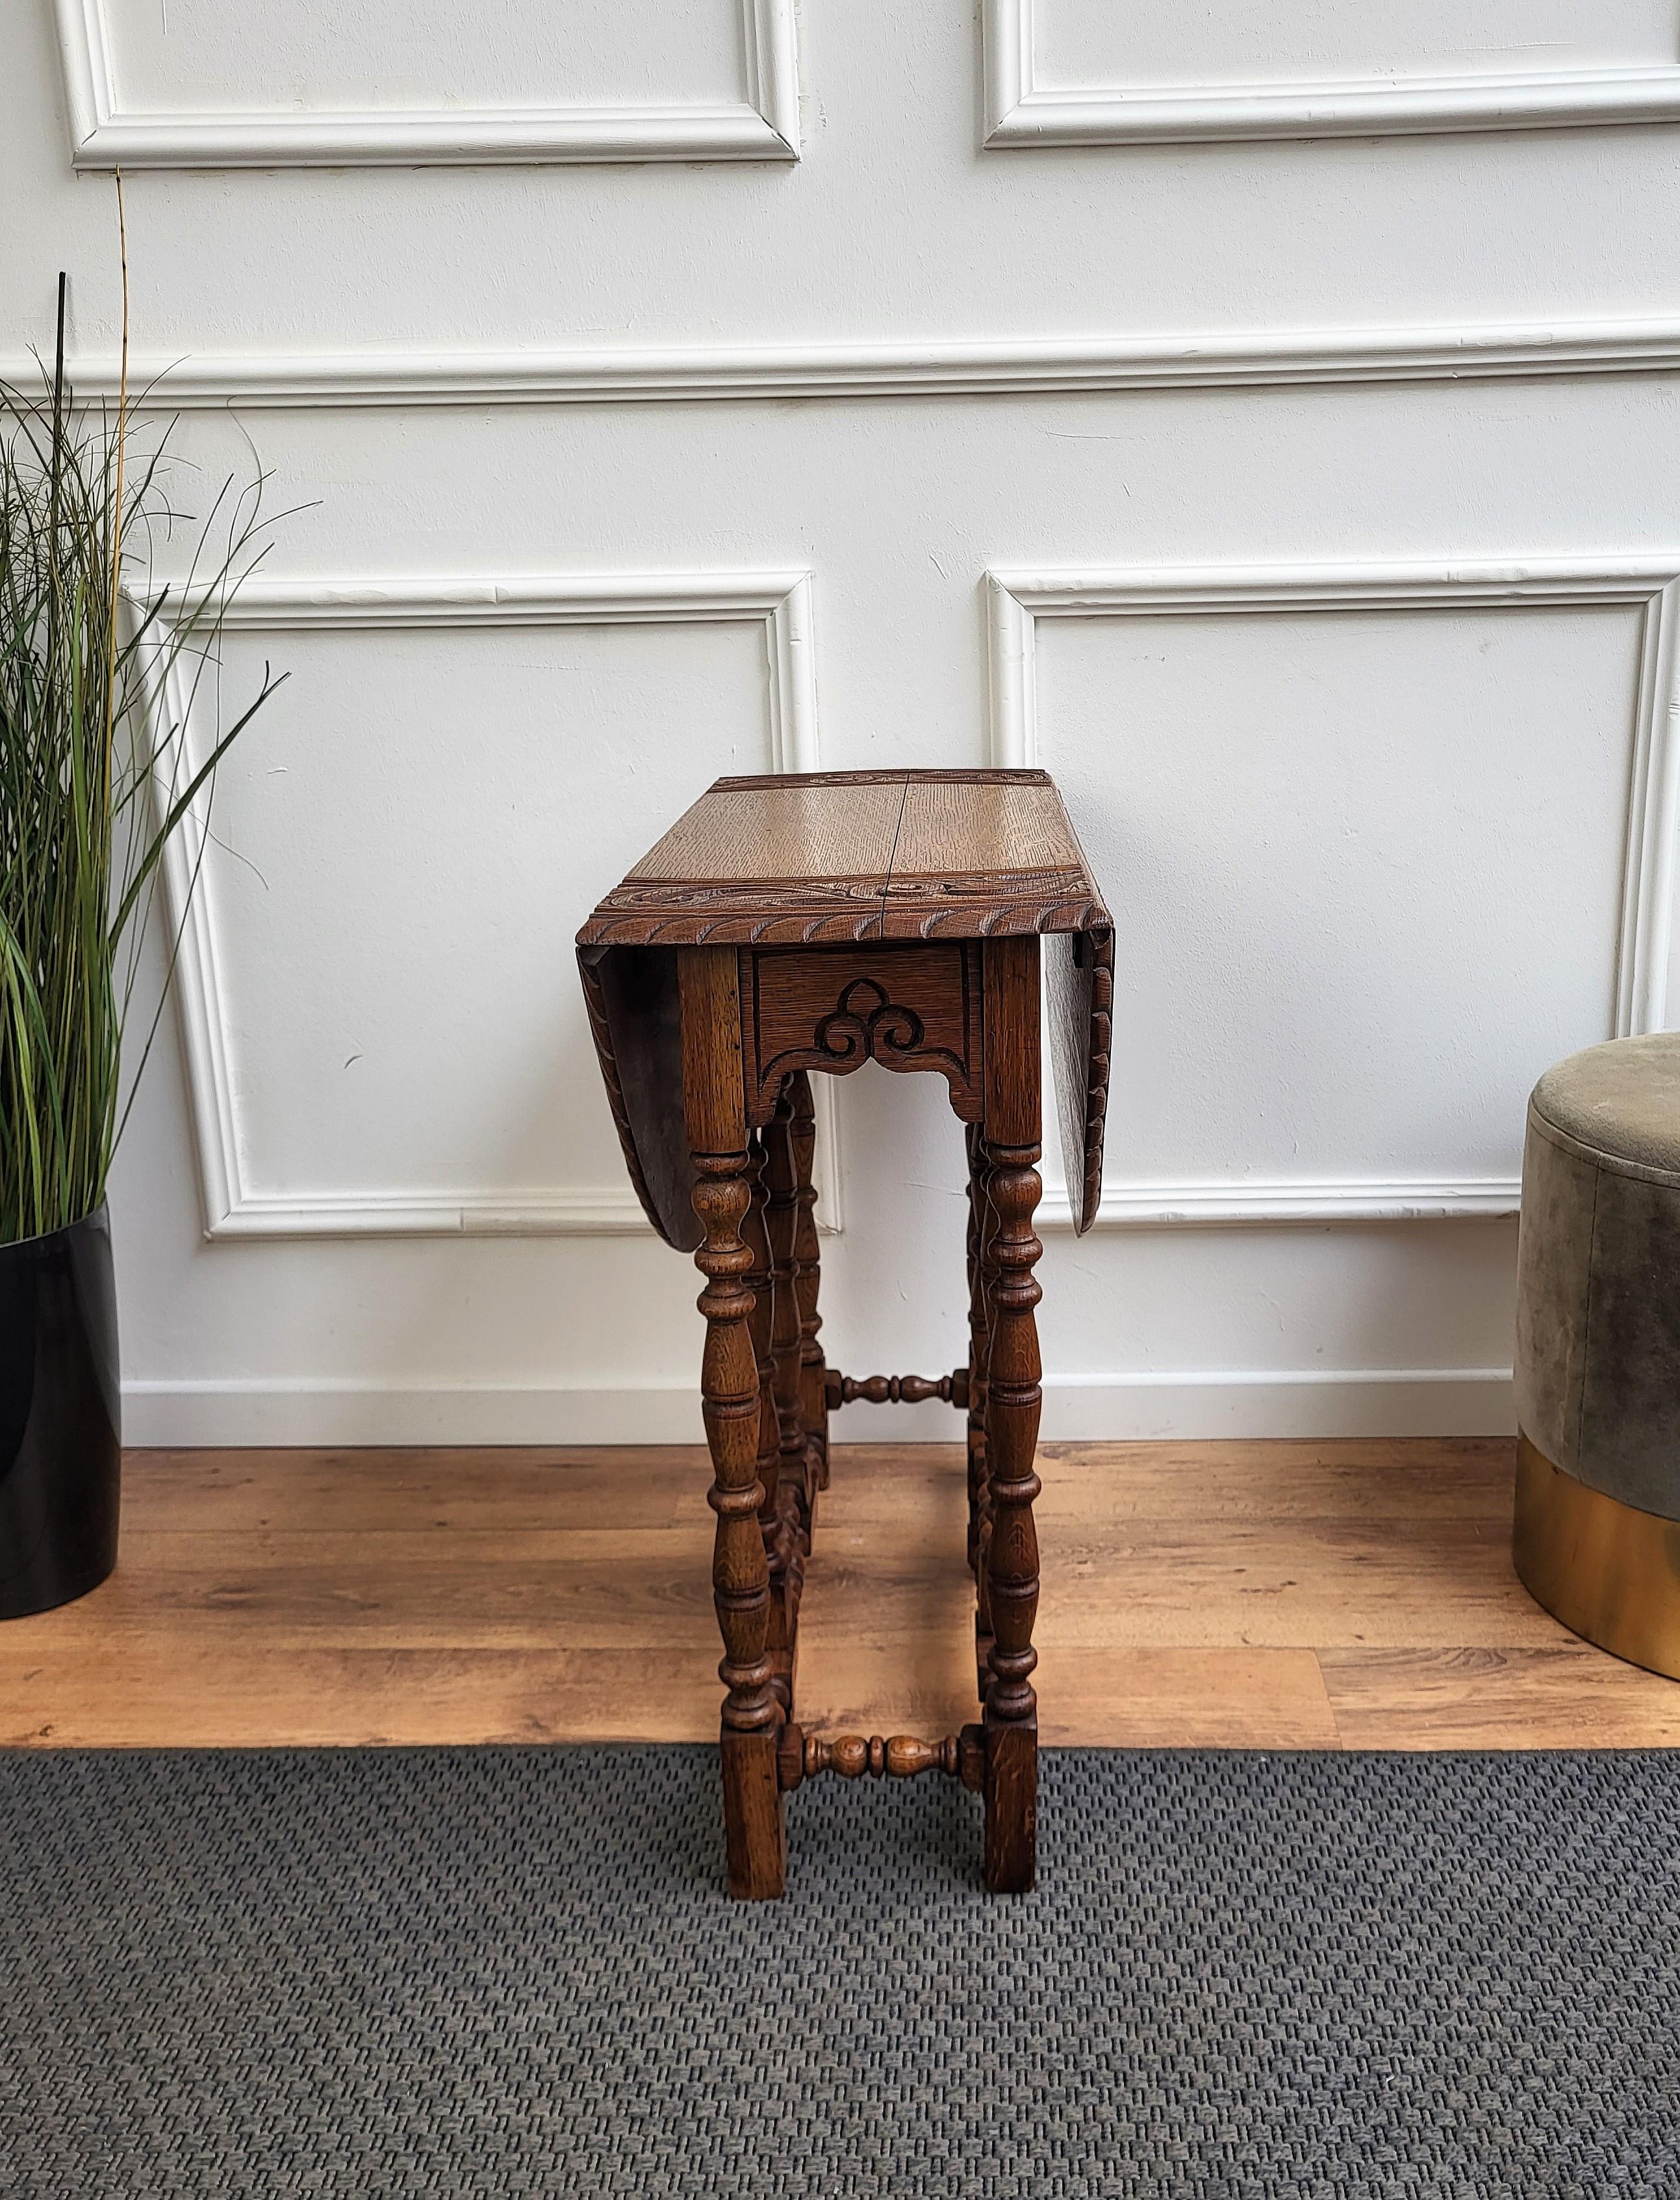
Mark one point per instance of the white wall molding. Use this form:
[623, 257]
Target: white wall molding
[1188, 1403]
[1649, 585]
[932, 366]
[1020, 112]
[1150, 1205]
[762, 126]
[779, 602]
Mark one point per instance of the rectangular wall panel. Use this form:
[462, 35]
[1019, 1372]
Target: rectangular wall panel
[450, 1054]
[380, 86]
[1111, 76]
[1347, 840]
[441, 1078]
[202, 53]
[1234, 42]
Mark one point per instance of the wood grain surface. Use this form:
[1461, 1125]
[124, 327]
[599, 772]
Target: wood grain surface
[984, 824]
[1265, 1595]
[841, 856]
[781, 828]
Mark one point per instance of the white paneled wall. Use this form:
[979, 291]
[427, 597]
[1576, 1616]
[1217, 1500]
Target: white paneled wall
[1264, 417]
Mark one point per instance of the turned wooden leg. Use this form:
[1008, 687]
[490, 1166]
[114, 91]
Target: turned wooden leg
[785, 1325]
[982, 1226]
[1013, 1398]
[808, 1283]
[761, 1281]
[751, 1716]
[976, 1423]
[782, 1424]
[979, 1225]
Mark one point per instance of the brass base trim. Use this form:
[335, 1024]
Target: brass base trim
[1610, 1572]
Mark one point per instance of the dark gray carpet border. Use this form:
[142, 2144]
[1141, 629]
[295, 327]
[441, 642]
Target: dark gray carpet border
[513, 1972]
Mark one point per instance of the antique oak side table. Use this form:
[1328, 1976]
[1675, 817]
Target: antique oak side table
[818, 921]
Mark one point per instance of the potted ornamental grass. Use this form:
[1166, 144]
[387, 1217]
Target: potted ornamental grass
[102, 673]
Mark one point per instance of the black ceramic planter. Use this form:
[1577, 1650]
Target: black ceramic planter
[60, 1417]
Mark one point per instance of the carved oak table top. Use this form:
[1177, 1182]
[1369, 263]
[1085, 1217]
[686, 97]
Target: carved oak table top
[798, 924]
[849, 857]
[858, 855]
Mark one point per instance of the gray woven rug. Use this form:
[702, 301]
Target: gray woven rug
[507, 1971]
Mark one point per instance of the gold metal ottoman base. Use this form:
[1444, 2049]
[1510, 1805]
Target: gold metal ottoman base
[1610, 1572]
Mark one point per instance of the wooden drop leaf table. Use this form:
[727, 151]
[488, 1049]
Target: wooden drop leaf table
[817, 921]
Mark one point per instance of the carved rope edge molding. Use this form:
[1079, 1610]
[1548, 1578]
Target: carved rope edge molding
[780, 601]
[1648, 584]
[933, 366]
[1020, 113]
[765, 126]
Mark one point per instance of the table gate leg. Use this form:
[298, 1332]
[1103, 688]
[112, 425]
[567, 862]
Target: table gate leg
[1013, 1401]
[982, 1225]
[781, 1217]
[751, 1716]
[762, 1281]
[807, 1248]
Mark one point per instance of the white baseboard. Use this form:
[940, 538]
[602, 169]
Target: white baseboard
[1431, 1402]
[308, 1410]
[1353, 1401]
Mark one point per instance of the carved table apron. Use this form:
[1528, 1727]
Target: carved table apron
[817, 922]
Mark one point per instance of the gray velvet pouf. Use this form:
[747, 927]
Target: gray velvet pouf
[514, 1972]
[1597, 1536]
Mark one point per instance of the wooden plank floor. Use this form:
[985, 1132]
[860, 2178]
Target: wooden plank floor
[1276, 1595]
